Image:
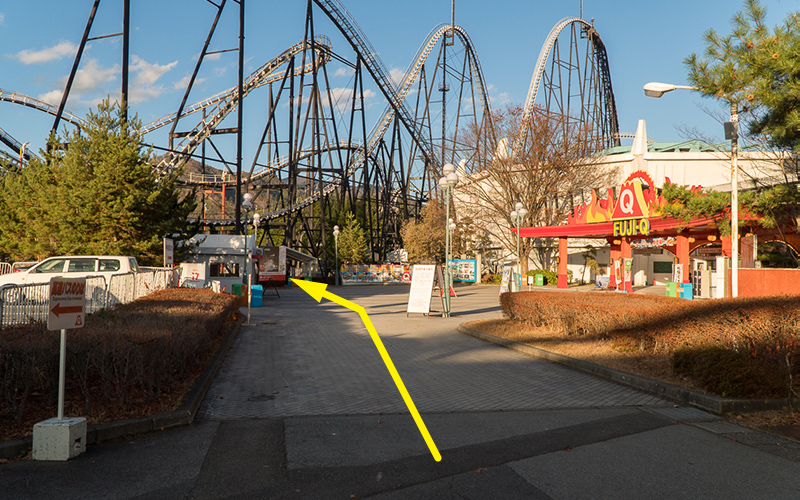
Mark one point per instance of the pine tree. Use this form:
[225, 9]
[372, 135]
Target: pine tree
[757, 68]
[95, 192]
[352, 242]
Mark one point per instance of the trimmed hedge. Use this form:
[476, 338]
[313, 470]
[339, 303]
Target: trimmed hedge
[132, 353]
[722, 343]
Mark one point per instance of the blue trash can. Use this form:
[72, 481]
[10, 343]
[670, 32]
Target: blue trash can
[686, 291]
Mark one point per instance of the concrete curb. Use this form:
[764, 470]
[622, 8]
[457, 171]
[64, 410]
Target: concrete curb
[184, 415]
[713, 404]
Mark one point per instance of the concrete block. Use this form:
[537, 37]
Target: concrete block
[56, 439]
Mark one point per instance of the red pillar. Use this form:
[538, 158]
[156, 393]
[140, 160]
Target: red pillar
[683, 256]
[562, 262]
[625, 251]
[726, 245]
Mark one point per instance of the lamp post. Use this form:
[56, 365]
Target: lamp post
[256, 220]
[336, 252]
[448, 182]
[247, 205]
[656, 89]
[517, 217]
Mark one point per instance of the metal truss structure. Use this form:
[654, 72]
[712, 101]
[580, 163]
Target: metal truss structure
[316, 156]
[575, 82]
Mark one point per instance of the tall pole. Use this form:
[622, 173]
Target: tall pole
[249, 268]
[75, 65]
[126, 23]
[519, 258]
[239, 121]
[735, 200]
[61, 372]
[336, 253]
[446, 291]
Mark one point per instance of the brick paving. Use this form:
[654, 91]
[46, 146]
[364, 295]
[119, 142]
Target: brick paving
[302, 358]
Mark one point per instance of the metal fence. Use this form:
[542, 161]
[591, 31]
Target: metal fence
[26, 303]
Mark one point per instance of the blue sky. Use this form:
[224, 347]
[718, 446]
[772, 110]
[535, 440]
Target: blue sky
[646, 41]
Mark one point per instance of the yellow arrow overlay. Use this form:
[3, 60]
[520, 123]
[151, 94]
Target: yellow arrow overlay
[317, 292]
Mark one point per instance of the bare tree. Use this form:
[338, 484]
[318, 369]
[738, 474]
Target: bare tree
[552, 166]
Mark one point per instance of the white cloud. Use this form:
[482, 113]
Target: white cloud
[397, 75]
[92, 77]
[53, 97]
[343, 97]
[147, 73]
[184, 82]
[343, 71]
[498, 100]
[89, 87]
[146, 93]
[49, 54]
[2, 18]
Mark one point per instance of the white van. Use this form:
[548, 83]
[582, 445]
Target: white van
[74, 266]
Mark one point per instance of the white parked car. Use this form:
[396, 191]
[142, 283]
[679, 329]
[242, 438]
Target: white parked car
[74, 266]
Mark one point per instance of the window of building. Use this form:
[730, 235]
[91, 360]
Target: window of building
[662, 267]
[223, 270]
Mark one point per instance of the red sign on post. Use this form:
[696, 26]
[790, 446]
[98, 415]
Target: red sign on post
[67, 303]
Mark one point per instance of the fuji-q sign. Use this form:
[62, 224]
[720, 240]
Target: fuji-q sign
[630, 215]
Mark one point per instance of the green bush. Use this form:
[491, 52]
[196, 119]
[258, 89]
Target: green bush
[491, 279]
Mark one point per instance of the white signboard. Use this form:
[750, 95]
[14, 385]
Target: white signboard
[506, 277]
[677, 273]
[169, 252]
[67, 303]
[419, 296]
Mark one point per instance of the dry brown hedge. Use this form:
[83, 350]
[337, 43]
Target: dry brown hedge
[132, 353]
[763, 333]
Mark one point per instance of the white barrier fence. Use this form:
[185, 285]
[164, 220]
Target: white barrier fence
[25, 303]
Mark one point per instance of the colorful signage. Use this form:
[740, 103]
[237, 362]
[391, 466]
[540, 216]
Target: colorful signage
[465, 270]
[632, 227]
[629, 212]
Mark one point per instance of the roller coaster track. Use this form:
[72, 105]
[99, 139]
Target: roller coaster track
[412, 73]
[538, 72]
[254, 80]
[348, 26]
[382, 125]
[375, 135]
[15, 145]
[17, 98]
[228, 101]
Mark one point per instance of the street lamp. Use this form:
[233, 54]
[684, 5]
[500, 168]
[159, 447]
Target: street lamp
[656, 89]
[517, 217]
[336, 251]
[256, 220]
[447, 183]
[247, 205]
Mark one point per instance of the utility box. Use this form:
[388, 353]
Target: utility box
[686, 291]
[60, 440]
[257, 299]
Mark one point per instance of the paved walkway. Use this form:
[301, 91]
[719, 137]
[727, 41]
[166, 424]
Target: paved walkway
[310, 359]
[305, 408]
